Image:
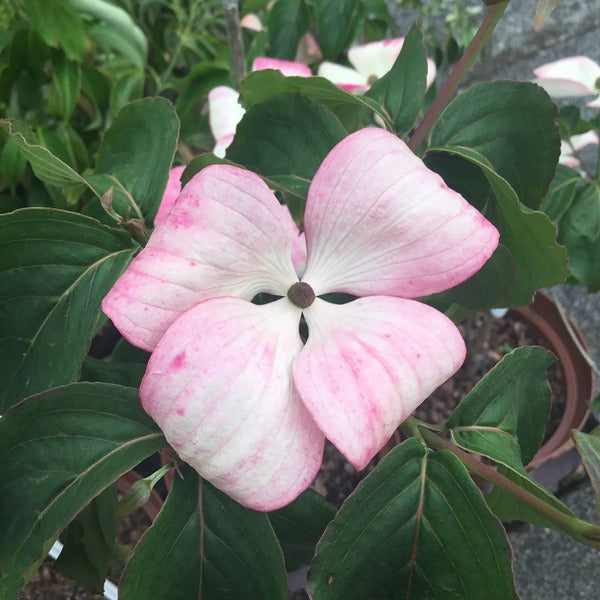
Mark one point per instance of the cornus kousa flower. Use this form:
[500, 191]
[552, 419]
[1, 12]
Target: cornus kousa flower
[571, 77]
[370, 61]
[231, 383]
[576, 143]
[224, 109]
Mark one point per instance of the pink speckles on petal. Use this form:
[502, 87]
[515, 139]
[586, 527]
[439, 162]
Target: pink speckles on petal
[378, 221]
[230, 408]
[368, 364]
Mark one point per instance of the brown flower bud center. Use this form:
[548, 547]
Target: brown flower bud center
[301, 294]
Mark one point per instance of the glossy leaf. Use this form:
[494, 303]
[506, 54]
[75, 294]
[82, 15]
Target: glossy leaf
[529, 235]
[504, 418]
[59, 450]
[580, 233]
[337, 23]
[402, 89]
[128, 374]
[416, 527]
[588, 445]
[138, 151]
[561, 194]
[267, 149]
[353, 110]
[287, 22]
[55, 268]
[205, 545]
[66, 85]
[511, 124]
[299, 526]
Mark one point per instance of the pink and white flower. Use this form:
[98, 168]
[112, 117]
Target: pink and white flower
[370, 61]
[576, 143]
[574, 76]
[170, 195]
[231, 384]
[224, 109]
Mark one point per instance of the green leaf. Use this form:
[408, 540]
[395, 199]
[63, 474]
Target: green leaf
[55, 268]
[46, 166]
[529, 235]
[561, 194]
[285, 139]
[512, 124]
[287, 22]
[337, 24]
[138, 150]
[59, 25]
[402, 89]
[66, 85]
[59, 450]
[588, 445]
[580, 233]
[352, 110]
[205, 545]
[416, 527]
[90, 542]
[504, 418]
[299, 526]
[514, 397]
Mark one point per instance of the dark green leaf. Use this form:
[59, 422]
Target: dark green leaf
[402, 89]
[128, 374]
[580, 233]
[561, 194]
[205, 545]
[514, 397]
[337, 24]
[59, 450]
[55, 268]
[416, 527]
[287, 22]
[90, 542]
[352, 110]
[59, 25]
[504, 418]
[588, 445]
[512, 124]
[138, 150]
[299, 526]
[529, 235]
[285, 138]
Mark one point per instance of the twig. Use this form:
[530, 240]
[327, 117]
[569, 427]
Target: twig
[236, 43]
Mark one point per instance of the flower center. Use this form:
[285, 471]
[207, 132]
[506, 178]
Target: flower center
[301, 294]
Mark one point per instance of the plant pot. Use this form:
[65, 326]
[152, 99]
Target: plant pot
[543, 314]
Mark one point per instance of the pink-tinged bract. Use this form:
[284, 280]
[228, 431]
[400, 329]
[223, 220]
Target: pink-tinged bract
[570, 77]
[378, 221]
[170, 195]
[287, 67]
[224, 114]
[576, 143]
[227, 235]
[230, 383]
